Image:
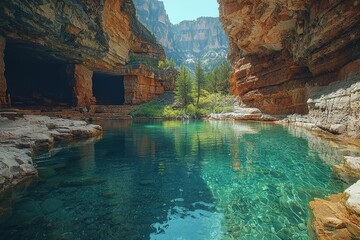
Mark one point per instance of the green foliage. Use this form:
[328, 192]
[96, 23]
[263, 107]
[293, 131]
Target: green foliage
[199, 80]
[150, 109]
[212, 103]
[167, 107]
[154, 108]
[191, 109]
[218, 80]
[219, 103]
[183, 86]
[170, 112]
[167, 64]
[208, 89]
[164, 107]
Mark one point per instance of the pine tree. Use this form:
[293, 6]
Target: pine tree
[183, 86]
[199, 79]
[224, 72]
[219, 79]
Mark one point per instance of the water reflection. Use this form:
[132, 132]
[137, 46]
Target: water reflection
[175, 180]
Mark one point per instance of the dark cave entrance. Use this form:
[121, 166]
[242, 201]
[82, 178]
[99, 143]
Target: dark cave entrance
[35, 78]
[108, 89]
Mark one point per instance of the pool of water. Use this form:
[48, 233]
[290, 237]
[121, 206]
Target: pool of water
[175, 180]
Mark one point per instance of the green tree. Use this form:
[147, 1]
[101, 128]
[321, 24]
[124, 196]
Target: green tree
[212, 82]
[183, 86]
[219, 78]
[199, 80]
[171, 63]
[224, 74]
[167, 64]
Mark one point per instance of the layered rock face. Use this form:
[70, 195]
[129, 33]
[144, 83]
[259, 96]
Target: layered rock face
[187, 41]
[297, 57]
[153, 15]
[99, 35]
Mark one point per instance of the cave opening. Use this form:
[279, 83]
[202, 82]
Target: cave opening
[108, 89]
[34, 78]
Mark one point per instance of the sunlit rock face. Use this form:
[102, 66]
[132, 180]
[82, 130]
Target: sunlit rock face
[333, 219]
[187, 41]
[101, 35]
[297, 57]
[153, 14]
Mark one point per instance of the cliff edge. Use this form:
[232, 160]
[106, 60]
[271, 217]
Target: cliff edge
[297, 57]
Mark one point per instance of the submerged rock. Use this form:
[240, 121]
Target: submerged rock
[108, 195]
[146, 182]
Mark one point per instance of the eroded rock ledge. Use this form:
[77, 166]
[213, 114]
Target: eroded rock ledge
[297, 57]
[20, 138]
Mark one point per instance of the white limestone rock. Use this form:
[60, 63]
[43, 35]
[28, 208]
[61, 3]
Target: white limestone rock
[353, 198]
[19, 138]
[349, 169]
[352, 163]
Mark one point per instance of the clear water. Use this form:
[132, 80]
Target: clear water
[175, 180]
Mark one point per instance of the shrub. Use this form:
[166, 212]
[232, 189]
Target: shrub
[166, 106]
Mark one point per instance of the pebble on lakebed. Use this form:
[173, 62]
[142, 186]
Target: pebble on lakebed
[21, 137]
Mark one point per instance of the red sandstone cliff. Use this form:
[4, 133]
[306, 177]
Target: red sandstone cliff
[297, 57]
[97, 35]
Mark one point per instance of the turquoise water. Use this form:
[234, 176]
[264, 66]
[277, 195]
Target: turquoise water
[175, 180]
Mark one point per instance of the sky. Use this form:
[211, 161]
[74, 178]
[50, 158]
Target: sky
[179, 10]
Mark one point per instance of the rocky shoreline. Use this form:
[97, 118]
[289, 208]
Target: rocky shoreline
[254, 114]
[21, 138]
[338, 215]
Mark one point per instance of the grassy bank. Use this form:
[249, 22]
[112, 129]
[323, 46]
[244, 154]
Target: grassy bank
[167, 106]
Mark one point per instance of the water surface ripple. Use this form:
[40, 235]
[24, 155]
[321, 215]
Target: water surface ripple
[176, 180]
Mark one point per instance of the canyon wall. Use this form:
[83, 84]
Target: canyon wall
[100, 35]
[153, 15]
[203, 39]
[187, 41]
[297, 57]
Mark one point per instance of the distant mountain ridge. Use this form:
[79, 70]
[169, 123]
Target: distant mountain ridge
[187, 41]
